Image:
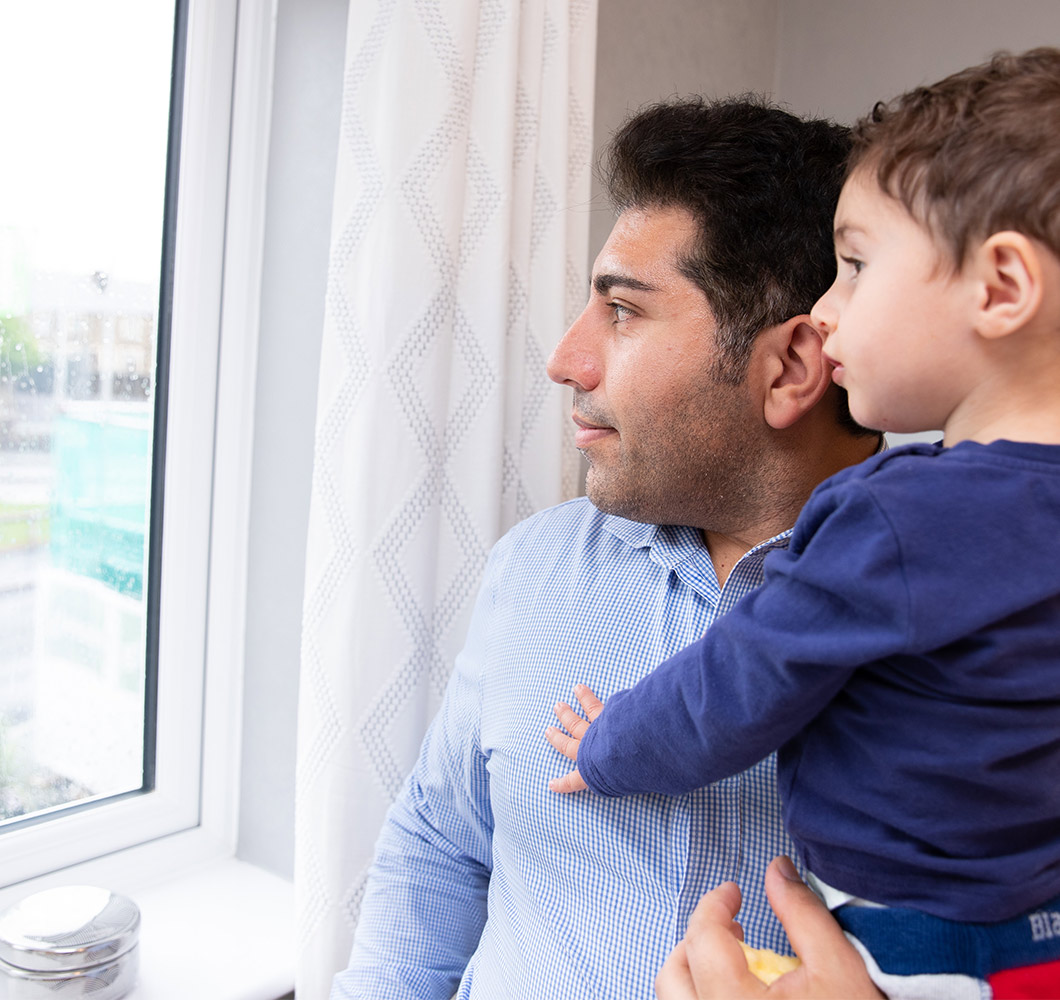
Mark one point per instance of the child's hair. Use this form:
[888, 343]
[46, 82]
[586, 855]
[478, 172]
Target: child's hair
[975, 153]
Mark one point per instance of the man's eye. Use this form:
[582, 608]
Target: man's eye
[621, 312]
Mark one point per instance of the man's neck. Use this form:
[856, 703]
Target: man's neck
[725, 553]
[788, 492]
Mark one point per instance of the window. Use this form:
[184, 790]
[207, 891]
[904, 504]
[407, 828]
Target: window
[80, 355]
[109, 498]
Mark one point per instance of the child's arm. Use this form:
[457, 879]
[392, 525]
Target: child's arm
[764, 669]
[568, 739]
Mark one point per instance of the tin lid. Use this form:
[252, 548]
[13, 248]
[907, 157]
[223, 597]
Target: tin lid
[71, 927]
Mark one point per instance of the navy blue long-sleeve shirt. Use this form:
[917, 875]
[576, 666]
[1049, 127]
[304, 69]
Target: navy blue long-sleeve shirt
[904, 655]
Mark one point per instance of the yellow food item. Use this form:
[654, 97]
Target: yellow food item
[767, 964]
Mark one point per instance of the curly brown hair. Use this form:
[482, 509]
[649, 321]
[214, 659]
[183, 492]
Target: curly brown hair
[974, 154]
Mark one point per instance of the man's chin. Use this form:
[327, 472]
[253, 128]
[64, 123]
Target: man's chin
[610, 497]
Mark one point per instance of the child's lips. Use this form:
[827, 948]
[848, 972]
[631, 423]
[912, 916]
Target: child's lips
[837, 370]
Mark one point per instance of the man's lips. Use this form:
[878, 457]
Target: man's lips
[587, 432]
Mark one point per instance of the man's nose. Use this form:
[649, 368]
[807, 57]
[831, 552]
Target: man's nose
[575, 361]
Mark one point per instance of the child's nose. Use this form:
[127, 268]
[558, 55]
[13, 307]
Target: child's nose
[824, 315]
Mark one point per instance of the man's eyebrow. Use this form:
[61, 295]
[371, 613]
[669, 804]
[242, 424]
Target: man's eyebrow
[603, 283]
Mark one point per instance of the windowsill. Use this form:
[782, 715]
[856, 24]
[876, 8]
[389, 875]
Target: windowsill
[223, 932]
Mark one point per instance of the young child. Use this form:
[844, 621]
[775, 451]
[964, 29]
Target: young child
[904, 653]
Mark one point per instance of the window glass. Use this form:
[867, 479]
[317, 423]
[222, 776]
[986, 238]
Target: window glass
[85, 122]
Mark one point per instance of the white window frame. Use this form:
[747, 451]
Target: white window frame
[191, 815]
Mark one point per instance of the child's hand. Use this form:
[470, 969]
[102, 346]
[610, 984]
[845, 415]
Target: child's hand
[567, 740]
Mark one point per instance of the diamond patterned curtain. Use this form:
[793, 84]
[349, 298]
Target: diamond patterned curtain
[458, 258]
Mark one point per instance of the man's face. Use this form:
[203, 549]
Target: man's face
[667, 442]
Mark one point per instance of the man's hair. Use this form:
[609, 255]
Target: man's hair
[975, 153]
[762, 186]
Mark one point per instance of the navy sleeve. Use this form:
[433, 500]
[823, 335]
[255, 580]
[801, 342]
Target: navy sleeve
[834, 600]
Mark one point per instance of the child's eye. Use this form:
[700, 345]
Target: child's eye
[854, 264]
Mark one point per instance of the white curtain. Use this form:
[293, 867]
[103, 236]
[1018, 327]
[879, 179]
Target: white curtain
[458, 258]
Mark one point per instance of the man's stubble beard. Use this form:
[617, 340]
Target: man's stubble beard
[707, 480]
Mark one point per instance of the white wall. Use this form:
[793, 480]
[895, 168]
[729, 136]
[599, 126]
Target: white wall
[310, 37]
[836, 58]
[832, 58]
[649, 52]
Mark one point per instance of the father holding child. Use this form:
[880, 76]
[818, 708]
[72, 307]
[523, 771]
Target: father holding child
[904, 651]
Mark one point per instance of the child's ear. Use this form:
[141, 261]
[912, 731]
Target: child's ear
[1009, 276]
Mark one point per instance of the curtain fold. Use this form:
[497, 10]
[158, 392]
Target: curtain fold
[458, 258]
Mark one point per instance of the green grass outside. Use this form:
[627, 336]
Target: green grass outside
[24, 526]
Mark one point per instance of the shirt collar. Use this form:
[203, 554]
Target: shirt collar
[681, 550]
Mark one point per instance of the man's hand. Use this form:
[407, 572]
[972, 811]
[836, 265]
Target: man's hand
[568, 739]
[709, 963]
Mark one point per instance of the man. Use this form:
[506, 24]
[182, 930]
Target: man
[707, 414]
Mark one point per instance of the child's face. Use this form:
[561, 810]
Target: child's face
[896, 320]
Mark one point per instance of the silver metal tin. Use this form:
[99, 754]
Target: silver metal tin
[78, 940]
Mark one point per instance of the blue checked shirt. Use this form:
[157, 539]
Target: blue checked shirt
[487, 885]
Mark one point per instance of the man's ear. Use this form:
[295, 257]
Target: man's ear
[1007, 269]
[796, 374]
